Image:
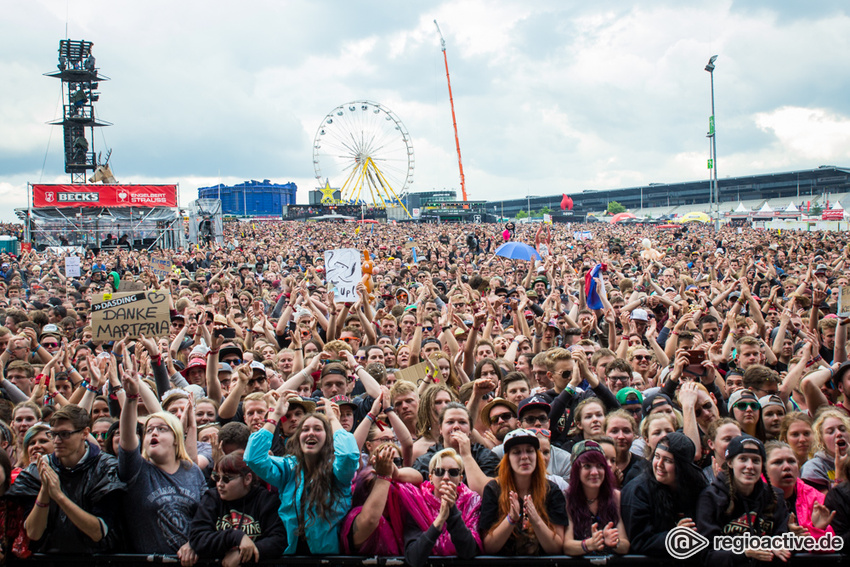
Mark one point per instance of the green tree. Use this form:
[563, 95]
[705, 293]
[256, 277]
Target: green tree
[544, 211]
[614, 207]
[522, 215]
[815, 210]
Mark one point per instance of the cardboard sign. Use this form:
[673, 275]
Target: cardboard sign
[118, 315]
[72, 266]
[161, 268]
[844, 301]
[412, 373]
[343, 271]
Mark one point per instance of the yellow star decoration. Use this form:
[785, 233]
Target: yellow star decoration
[327, 193]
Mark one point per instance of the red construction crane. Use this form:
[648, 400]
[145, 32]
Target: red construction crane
[454, 120]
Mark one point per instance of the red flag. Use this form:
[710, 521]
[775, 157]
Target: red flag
[566, 202]
[808, 206]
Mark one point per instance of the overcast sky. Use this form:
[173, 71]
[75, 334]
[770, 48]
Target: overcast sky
[551, 96]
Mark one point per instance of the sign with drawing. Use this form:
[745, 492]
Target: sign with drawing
[118, 315]
[343, 272]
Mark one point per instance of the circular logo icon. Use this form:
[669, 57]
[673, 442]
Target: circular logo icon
[684, 543]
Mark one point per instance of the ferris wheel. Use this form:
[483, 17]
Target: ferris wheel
[364, 148]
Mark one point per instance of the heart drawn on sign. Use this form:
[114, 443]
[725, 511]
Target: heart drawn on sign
[156, 297]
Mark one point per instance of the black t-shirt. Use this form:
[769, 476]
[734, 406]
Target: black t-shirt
[521, 541]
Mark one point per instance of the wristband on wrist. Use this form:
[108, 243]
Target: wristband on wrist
[511, 521]
[584, 546]
[132, 397]
[271, 421]
[42, 504]
[384, 477]
[371, 417]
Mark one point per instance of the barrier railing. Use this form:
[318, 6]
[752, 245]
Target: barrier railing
[127, 560]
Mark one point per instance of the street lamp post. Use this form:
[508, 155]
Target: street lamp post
[713, 135]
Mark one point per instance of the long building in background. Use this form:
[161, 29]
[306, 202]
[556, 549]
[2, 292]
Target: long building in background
[805, 187]
[252, 198]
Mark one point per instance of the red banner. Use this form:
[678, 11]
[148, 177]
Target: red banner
[104, 196]
[833, 214]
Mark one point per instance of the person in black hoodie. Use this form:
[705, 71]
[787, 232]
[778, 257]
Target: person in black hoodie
[237, 521]
[739, 501]
[664, 497]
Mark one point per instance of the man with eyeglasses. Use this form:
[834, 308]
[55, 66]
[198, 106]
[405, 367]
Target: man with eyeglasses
[76, 491]
[618, 375]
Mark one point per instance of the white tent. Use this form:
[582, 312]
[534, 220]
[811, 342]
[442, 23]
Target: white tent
[742, 209]
[836, 206]
[765, 208]
[791, 208]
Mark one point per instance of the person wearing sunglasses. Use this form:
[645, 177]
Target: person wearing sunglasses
[522, 512]
[162, 480]
[744, 407]
[75, 492]
[442, 515]
[237, 521]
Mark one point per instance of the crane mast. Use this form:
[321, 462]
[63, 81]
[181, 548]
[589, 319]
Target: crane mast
[452, 103]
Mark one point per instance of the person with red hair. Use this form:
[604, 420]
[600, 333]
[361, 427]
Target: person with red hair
[522, 512]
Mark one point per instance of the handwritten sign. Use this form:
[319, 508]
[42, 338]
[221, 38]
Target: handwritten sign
[160, 267]
[343, 271]
[130, 315]
[72, 266]
[844, 301]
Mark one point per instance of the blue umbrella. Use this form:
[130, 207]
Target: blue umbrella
[517, 251]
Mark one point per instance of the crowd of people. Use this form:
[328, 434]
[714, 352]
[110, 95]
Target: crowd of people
[627, 383]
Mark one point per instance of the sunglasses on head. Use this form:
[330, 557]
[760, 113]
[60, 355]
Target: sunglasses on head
[440, 472]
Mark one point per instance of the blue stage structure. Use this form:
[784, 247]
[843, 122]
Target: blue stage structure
[252, 198]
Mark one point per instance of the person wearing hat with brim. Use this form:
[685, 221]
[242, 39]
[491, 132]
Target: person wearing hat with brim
[664, 496]
[739, 501]
[499, 416]
[537, 525]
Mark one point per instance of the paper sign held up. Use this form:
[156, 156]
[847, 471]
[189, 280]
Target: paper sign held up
[72, 266]
[160, 267]
[343, 272]
[130, 315]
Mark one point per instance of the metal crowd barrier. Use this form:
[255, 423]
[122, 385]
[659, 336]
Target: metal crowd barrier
[127, 560]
